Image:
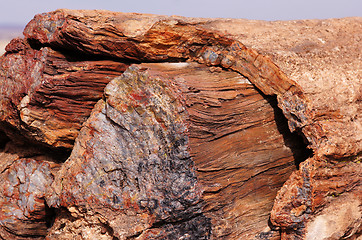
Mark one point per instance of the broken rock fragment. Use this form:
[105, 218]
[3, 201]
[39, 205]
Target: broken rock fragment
[47, 95]
[24, 179]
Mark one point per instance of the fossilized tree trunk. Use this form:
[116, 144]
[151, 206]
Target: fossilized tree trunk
[201, 148]
[47, 95]
[191, 141]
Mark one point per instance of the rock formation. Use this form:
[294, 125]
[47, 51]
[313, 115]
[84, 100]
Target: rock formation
[47, 95]
[134, 126]
[26, 173]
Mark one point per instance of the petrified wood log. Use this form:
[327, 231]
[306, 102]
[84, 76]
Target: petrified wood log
[47, 95]
[188, 148]
[158, 38]
[182, 150]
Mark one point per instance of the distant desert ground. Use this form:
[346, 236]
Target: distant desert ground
[7, 33]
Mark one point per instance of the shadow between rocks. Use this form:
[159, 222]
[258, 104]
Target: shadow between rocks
[296, 141]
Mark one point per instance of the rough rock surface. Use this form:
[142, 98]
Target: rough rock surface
[26, 173]
[139, 170]
[168, 125]
[47, 95]
[131, 156]
[324, 58]
[158, 38]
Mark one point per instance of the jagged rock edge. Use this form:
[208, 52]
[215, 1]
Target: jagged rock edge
[229, 54]
[220, 51]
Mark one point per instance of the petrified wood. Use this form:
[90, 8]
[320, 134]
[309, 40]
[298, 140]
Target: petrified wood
[46, 95]
[183, 150]
[158, 38]
[184, 140]
[26, 173]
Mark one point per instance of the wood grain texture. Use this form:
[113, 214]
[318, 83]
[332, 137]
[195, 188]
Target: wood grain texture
[243, 153]
[159, 38]
[47, 95]
[187, 138]
[229, 150]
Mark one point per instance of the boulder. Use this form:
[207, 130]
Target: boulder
[197, 139]
[47, 95]
[26, 173]
[176, 143]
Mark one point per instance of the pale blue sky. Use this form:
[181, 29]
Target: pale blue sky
[19, 12]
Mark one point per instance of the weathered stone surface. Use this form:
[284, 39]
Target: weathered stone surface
[341, 219]
[322, 103]
[324, 58]
[132, 157]
[161, 39]
[164, 121]
[332, 133]
[320, 184]
[25, 176]
[47, 95]
[228, 122]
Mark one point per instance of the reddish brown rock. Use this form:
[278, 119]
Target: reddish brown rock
[131, 166]
[158, 38]
[47, 95]
[320, 184]
[168, 165]
[323, 125]
[322, 56]
[340, 219]
[205, 179]
[25, 176]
